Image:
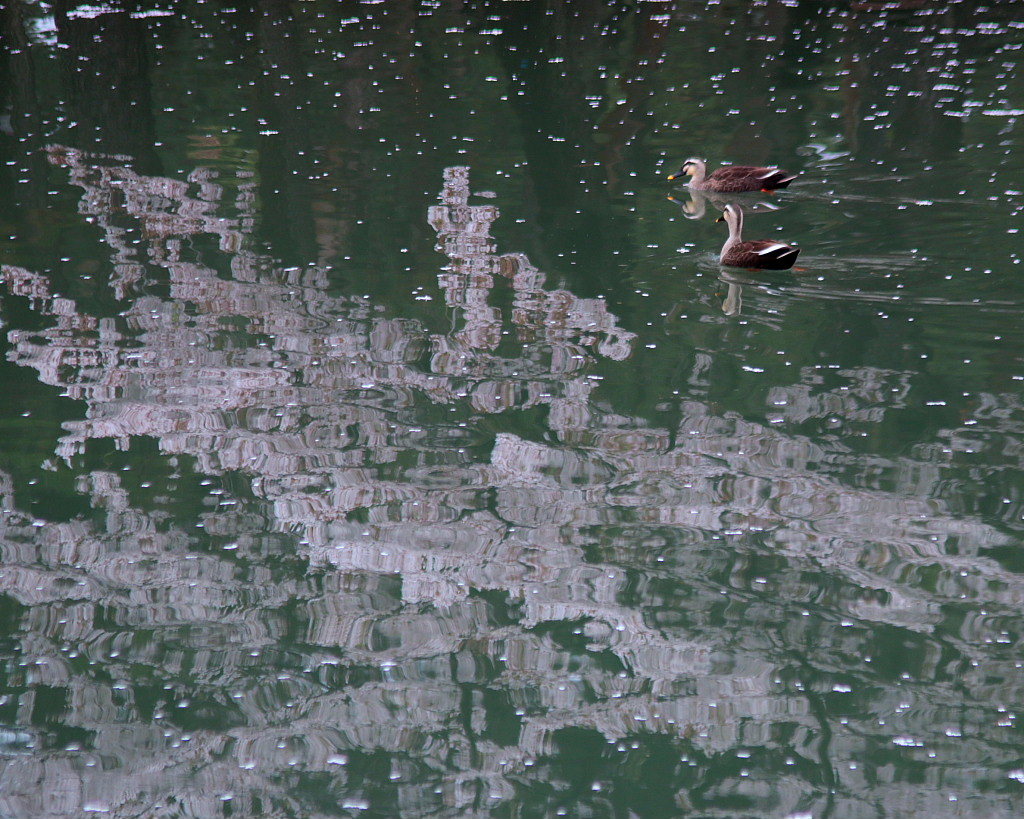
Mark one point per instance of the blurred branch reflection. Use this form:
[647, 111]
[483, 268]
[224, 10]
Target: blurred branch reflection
[464, 593]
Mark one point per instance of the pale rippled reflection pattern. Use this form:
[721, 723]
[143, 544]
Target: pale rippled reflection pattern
[380, 441]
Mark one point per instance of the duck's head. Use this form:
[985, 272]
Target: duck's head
[732, 214]
[689, 168]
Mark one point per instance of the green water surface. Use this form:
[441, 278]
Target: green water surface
[380, 436]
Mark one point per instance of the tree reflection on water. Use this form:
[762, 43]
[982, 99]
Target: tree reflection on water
[326, 493]
[460, 597]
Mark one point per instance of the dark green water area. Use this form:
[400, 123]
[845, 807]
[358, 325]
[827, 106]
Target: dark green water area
[381, 437]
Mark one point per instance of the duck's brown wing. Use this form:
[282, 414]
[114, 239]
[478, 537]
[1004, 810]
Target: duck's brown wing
[737, 178]
[762, 254]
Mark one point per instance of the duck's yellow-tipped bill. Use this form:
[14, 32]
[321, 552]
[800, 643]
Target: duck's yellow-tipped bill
[720, 218]
[671, 176]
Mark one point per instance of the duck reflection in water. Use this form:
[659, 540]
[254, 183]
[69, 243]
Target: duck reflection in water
[697, 205]
[732, 305]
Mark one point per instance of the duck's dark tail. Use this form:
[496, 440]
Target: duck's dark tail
[779, 180]
[782, 259]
